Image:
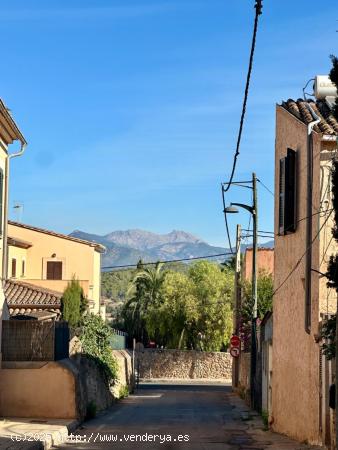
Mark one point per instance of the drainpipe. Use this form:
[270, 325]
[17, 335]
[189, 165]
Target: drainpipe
[5, 216]
[308, 261]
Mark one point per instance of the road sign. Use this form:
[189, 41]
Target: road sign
[235, 341]
[234, 352]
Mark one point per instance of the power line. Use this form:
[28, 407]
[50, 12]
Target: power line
[258, 6]
[259, 231]
[265, 187]
[300, 259]
[167, 261]
[226, 222]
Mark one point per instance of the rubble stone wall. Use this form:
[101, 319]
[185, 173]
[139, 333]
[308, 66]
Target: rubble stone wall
[183, 364]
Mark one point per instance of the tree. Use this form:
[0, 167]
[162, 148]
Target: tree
[213, 289]
[73, 303]
[264, 296]
[169, 320]
[145, 287]
[182, 310]
[264, 303]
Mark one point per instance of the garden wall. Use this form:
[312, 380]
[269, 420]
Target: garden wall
[183, 364]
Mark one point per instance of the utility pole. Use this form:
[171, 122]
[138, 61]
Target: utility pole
[237, 293]
[253, 209]
[254, 293]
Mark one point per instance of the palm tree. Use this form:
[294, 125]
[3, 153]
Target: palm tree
[145, 286]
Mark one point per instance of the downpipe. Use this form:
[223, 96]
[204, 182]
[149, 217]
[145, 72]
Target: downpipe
[5, 216]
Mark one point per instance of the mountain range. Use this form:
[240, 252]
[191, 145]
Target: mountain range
[129, 246]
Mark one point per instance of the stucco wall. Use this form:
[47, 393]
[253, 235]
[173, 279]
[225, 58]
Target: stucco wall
[295, 380]
[265, 261]
[78, 259]
[184, 364]
[244, 375]
[38, 390]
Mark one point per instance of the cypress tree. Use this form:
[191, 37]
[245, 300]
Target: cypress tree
[73, 303]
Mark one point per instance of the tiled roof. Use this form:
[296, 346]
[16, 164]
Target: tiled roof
[327, 125]
[18, 242]
[97, 246]
[7, 120]
[26, 295]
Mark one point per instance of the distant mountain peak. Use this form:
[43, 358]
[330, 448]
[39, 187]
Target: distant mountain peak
[145, 240]
[129, 246]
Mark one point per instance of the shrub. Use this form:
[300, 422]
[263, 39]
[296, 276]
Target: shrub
[73, 303]
[123, 391]
[95, 337]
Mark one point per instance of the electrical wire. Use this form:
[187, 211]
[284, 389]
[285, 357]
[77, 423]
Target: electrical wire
[264, 186]
[167, 261]
[226, 223]
[258, 6]
[301, 258]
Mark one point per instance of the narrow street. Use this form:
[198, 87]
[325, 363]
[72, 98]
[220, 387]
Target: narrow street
[185, 416]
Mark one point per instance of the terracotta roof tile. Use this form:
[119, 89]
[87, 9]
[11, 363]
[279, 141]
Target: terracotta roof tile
[99, 247]
[26, 295]
[299, 108]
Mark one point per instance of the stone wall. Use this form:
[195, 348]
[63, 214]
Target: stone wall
[125, 371]
[183, 364]
[93, 387]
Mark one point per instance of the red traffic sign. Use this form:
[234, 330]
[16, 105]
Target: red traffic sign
[234, 352]
[235, 341]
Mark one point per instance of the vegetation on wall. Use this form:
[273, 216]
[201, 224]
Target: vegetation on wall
[73, 303]
[95, 338]
[92, 331]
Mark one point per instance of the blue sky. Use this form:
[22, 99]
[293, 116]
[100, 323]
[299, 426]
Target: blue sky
[131, 107]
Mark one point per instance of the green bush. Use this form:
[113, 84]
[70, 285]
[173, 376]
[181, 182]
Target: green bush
[123, 391]
[265, 417]
[73, 303]
[95, 337]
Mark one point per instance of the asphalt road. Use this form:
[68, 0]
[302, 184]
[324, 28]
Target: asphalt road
[207, 417]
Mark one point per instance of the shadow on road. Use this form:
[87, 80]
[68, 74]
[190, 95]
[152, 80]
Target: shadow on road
[186, 387]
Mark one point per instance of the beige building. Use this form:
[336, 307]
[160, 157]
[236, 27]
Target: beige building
[38, 257]
[306, 145]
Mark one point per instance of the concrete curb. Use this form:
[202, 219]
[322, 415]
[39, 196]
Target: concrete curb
[31, 434]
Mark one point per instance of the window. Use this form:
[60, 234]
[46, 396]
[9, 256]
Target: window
[54, 270]
[13, 268]
[287, 193]
[23, 267]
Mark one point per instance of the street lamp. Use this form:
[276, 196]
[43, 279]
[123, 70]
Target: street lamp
[232, 209]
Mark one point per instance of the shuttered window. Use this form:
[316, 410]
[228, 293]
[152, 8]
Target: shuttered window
[287, 193]
[13, 268]
[281, 194]
[54, 270]
[23, 268]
